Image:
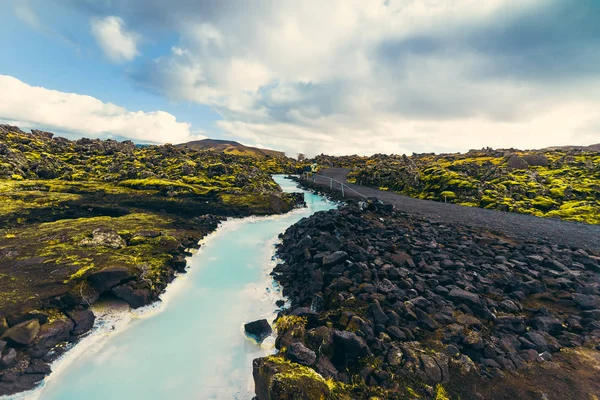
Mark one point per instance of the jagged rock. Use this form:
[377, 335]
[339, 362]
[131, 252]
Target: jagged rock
[348, 348]
[42, 134]
[432, 371]
[83, 320]
[548, 324]
[259, 329]
[9, 359]
[134, 297]
[50, 335]
[465, 364]
[299, 353]
[326, 368]
[462, 296]
[474, 294]
[334, 258]
[394, 356]
[23, 333]
[275, 380]
[17, 383]
[587, 302]
[554, 265]
[379, 316]
[37, 366]
[538, 341]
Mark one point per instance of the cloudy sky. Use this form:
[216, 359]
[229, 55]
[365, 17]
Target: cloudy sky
[333, 76]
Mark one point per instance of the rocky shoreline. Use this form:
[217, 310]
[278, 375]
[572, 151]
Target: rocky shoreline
[390, 305]
[31, 341]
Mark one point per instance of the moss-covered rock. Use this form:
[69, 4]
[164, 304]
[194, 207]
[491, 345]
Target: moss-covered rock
[276, 378]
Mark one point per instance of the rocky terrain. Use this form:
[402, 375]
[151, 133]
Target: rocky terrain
[89, 219]
[559, 182]
[389, 305]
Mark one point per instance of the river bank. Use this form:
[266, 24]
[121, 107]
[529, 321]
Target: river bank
[227, 285]
[84, 220]
[392, 305]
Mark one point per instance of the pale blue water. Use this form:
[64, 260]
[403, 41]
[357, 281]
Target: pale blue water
[195, 347]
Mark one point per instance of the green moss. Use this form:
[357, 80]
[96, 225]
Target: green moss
[286, 322]
[440, 393]
[292, 381]
[543, 203]
[80, 273]
[448, 195]
[165, 185]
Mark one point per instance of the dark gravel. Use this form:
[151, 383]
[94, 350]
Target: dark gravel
[518, 226]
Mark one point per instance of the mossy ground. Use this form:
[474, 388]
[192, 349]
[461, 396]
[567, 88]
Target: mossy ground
[55, 192]
[293, 381]
[573, 375]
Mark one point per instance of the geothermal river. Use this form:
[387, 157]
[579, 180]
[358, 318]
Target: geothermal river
[192, 345]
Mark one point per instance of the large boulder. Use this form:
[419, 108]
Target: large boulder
[535, 160]
[18, 318]
[134, 297]
[83, 320]
[50, 335]
[516, 162]
[259, 329]
[37, 366]
[23, 333]
[278, 379]
[108, 278]
[348, 347]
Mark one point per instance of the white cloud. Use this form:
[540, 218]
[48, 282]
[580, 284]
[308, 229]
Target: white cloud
[25, 12]
[37, 107]
[349, 76]
[27, 15]
[345, 77]
[118, 44]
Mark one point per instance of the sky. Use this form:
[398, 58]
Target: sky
[310, 76]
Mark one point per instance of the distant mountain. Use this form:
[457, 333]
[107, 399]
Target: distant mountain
[592, 147]
[231, 147]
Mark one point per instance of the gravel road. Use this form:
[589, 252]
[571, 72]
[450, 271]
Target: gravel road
[518, 226]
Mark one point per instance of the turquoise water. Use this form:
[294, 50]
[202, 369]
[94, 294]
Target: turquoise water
[193, 346]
